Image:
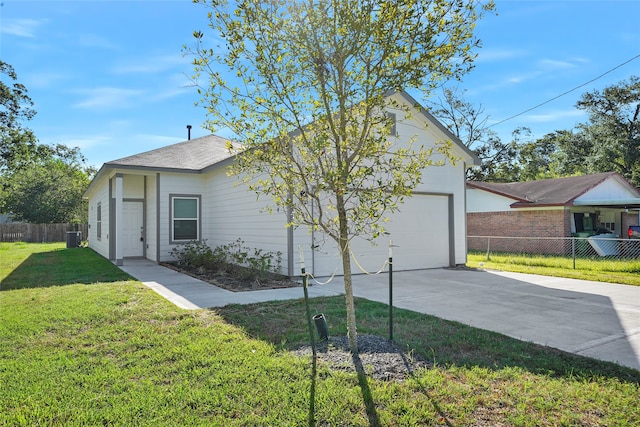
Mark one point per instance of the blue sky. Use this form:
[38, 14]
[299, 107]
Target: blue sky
[109, 76]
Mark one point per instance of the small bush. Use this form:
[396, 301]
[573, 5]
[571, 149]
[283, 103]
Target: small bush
[262, 262]
[195, 254]
[234, 259]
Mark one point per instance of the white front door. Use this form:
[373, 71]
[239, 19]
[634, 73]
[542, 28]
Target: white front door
[132, 230]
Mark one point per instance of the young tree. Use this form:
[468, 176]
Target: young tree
[303, 85]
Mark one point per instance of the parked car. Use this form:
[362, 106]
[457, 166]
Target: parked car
[634, 232]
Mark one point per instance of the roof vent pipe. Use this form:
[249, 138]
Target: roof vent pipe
[188, 132]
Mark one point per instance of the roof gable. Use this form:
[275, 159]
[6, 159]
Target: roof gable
[551, 192]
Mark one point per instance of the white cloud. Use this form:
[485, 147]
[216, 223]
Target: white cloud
[21, 27]
[171, 93]
[553, 115]
[150, 64]
[520, 78]
[83, 143]
[493, 55]
[94, 41]
[43, 80]
[552, 64]
[176, 85]
[107, 97]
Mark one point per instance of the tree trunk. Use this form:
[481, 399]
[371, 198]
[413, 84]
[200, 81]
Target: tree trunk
[348, 295]
[346, 268]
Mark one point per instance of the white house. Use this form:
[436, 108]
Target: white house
[146, 204]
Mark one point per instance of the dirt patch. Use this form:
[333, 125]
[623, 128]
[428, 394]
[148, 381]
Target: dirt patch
[236, 282]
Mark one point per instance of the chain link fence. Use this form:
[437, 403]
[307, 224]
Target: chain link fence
[574, 249]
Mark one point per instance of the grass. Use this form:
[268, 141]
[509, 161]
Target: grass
[26, 265]
[96, 348]
[625, 271]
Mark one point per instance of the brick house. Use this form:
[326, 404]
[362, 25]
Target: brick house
[559, 207]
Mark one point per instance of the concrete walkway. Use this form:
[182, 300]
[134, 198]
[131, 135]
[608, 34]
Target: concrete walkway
[599, 320]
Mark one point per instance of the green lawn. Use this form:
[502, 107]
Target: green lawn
[82, 344]
[625, 271]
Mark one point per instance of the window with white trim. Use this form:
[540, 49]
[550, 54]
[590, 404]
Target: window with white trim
[185, 218]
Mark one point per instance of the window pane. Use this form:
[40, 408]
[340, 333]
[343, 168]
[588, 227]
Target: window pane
[185, 208]
[185, 230]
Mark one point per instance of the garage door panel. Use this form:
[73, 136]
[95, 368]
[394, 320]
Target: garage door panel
[420, 234]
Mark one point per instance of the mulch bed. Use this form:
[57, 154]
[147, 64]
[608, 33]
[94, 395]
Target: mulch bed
[236, 284]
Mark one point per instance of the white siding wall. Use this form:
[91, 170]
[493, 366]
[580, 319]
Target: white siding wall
[485, 201]
[611, 189]
[233, 212]
[422, 221]
[100, 194]
[172, 183]
[132, 187]
[446, 179]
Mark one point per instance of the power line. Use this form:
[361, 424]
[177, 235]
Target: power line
[565, 93]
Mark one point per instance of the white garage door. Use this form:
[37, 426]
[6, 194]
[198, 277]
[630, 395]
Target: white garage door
[420, 231]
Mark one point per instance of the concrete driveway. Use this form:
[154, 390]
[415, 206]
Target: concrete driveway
[595, 319]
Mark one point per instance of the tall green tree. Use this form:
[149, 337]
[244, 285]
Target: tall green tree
[38, 183]
[563, 153]
[608, 141]
[614, 128]
[18, 144]
[49, 192]
[469, 124]
[534, 160]
[302, 86]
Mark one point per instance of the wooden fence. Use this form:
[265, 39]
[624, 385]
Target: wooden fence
[39, 233]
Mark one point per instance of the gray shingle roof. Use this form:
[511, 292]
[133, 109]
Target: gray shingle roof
[193, 155]
[546, 192]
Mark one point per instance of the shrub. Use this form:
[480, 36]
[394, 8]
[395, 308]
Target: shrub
[195, 254]
[234, 258]
[258, 260]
